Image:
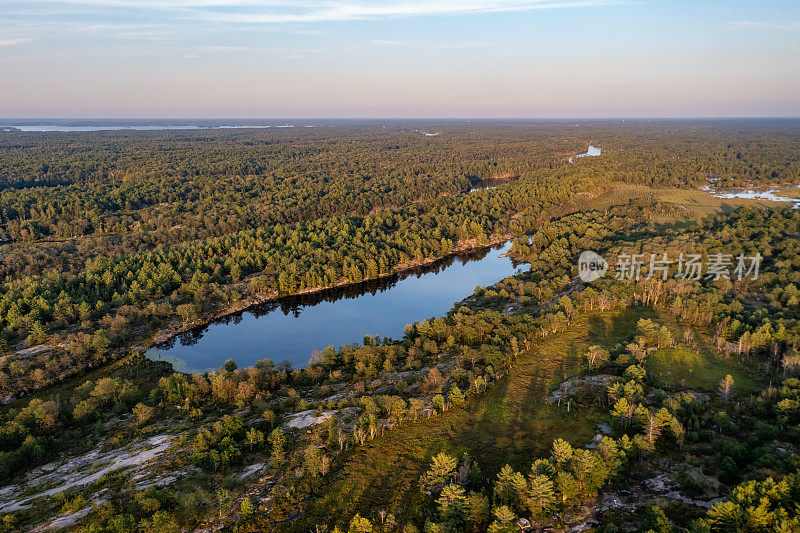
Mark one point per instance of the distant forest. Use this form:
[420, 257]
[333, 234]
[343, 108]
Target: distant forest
[108, 237]
[537, 403]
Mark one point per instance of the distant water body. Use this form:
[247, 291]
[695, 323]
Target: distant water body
[123, 127]
[590, 152]
[774, 194]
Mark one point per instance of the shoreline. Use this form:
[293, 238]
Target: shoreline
[770, 193]
[169, 333]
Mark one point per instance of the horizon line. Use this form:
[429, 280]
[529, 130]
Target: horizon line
[468, 118]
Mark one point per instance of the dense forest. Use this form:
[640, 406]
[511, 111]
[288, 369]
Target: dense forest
[538, 402]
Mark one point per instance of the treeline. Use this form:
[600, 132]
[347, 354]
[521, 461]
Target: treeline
[232, 416]
[749, 315]
[135, 231]
[122, 192]
[110, 298]
[214, 183]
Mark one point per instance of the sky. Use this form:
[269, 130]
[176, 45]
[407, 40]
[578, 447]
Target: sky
[399, 58]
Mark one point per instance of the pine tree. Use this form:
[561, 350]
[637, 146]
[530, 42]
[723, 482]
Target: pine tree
[246, 509]
[541, 496]
[277, 441]
[441, 472]
[452, 503]
[726, 388]
[504, 520]
[360, 524]
[510, 486]
[456, 397]
[562, 452]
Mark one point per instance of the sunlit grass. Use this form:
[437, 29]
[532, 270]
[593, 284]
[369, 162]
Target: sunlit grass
[685, 368]
[702, 202]
[696, 201]
[511, 423]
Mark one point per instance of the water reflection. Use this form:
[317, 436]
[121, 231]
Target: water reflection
[492, 183]
[292, 328]
[592, 151]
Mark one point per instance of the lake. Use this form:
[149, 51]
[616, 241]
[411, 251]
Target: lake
[592, 151]
[292, 328]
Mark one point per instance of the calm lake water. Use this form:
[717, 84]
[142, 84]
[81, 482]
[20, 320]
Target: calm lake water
[592, 151]
[293, 328]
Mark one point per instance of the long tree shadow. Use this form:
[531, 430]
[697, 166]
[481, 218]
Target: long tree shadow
[512, 423]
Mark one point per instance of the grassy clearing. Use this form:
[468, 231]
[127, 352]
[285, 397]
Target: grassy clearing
[791, 193]
[683, 368]
[697, 367]
[510, 424]
[697, 201]
[620, 193]
[702, 203]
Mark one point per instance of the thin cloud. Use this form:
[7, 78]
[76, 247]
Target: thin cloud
[388, 42]
[177, 4]
[309, 11]
[330, 12]
[455, 44]
[765, 25]
[113, 28]
[468, 44]
[221, 48]
[15, 42]
[144, 35]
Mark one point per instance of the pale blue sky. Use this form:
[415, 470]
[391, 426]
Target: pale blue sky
[398, 58]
